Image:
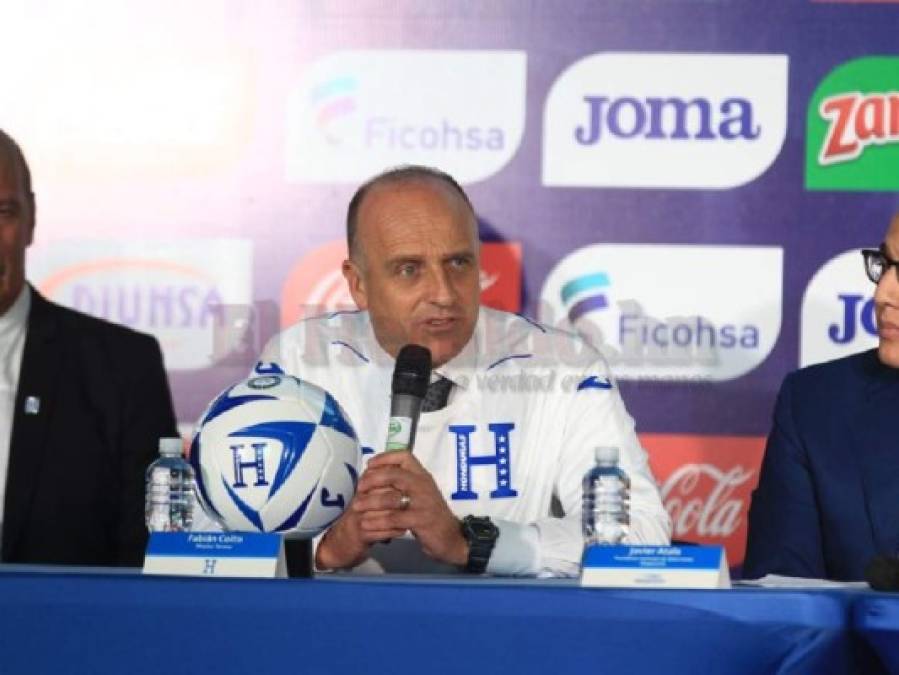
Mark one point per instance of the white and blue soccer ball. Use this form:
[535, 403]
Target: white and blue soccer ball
[275, 454]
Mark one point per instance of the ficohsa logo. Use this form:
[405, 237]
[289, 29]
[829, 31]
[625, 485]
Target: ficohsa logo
[853, 128]
[670, 312]
[665, 120]
[176, 291]
[838, 311]
[359, 112]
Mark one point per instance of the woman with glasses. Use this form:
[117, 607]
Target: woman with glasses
[827, 501]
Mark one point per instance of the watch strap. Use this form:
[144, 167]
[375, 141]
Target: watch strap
[481, 535]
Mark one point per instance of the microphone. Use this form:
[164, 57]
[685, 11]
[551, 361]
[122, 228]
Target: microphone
[882, 573]
[411, 376]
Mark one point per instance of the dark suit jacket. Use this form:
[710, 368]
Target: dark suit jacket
[75, 480]
[828, 495]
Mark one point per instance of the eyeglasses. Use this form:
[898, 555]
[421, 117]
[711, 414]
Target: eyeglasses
[877, 262]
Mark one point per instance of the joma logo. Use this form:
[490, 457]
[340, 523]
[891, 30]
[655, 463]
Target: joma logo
[666, 118]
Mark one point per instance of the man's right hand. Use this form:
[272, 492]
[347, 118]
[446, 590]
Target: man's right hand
[346, 543]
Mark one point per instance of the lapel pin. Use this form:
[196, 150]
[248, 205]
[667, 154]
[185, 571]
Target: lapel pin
[32, 405]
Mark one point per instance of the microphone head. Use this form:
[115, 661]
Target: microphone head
[882, 573]
[412, 372]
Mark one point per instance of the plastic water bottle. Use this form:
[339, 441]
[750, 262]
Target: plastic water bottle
[170, 490]
[606, 507]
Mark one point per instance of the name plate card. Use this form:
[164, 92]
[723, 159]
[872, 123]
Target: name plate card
[655, 567]
[215, 554]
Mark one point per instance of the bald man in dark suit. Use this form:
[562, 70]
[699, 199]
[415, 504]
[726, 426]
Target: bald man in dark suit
[827, 501]
[83, 403]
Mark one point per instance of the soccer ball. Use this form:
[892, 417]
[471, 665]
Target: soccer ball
[275, 454]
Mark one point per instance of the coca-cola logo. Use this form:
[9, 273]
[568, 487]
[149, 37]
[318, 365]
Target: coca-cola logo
[696, 509]
[706, 484]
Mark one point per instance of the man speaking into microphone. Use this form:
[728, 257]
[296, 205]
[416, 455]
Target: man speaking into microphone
[510, 416]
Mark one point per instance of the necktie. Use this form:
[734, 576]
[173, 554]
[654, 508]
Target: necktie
[437, 395]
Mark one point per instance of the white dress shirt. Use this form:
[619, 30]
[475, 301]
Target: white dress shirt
[13, 328]
[528, 408]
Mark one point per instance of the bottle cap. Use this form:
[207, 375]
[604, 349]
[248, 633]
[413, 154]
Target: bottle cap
[606, 454]
[170, 446]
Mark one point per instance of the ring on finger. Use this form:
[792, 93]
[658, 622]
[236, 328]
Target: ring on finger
[405, 501]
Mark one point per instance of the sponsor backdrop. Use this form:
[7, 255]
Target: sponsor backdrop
[685, 182]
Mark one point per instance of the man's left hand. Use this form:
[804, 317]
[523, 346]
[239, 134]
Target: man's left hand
[426, 515]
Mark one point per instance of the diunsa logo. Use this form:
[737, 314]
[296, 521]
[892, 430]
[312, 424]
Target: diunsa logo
[665, 120]
[178, 290]
[357, 112]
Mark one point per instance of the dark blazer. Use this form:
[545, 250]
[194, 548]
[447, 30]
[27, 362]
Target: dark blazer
[75, 480]
[828, 495]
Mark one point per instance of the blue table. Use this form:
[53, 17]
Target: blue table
[876, 617]
[124, 623]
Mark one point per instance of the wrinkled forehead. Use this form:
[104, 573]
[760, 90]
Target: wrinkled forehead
[392, 196]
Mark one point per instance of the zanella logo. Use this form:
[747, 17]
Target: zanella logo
[358, 112]
[837, 311]
[852, 136]
[700, 500]
[706, 485]
[665, 120]
[857, 121]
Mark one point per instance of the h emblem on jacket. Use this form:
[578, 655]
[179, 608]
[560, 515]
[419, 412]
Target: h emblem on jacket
[501, 460]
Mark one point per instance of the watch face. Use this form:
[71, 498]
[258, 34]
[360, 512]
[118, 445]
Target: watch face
[481, 534]
[485, 533]
[481, 529]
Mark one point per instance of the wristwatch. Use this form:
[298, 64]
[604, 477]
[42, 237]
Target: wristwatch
[481, 535]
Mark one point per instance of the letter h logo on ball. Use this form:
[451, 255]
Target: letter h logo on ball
[257, 463]
[286, 460]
